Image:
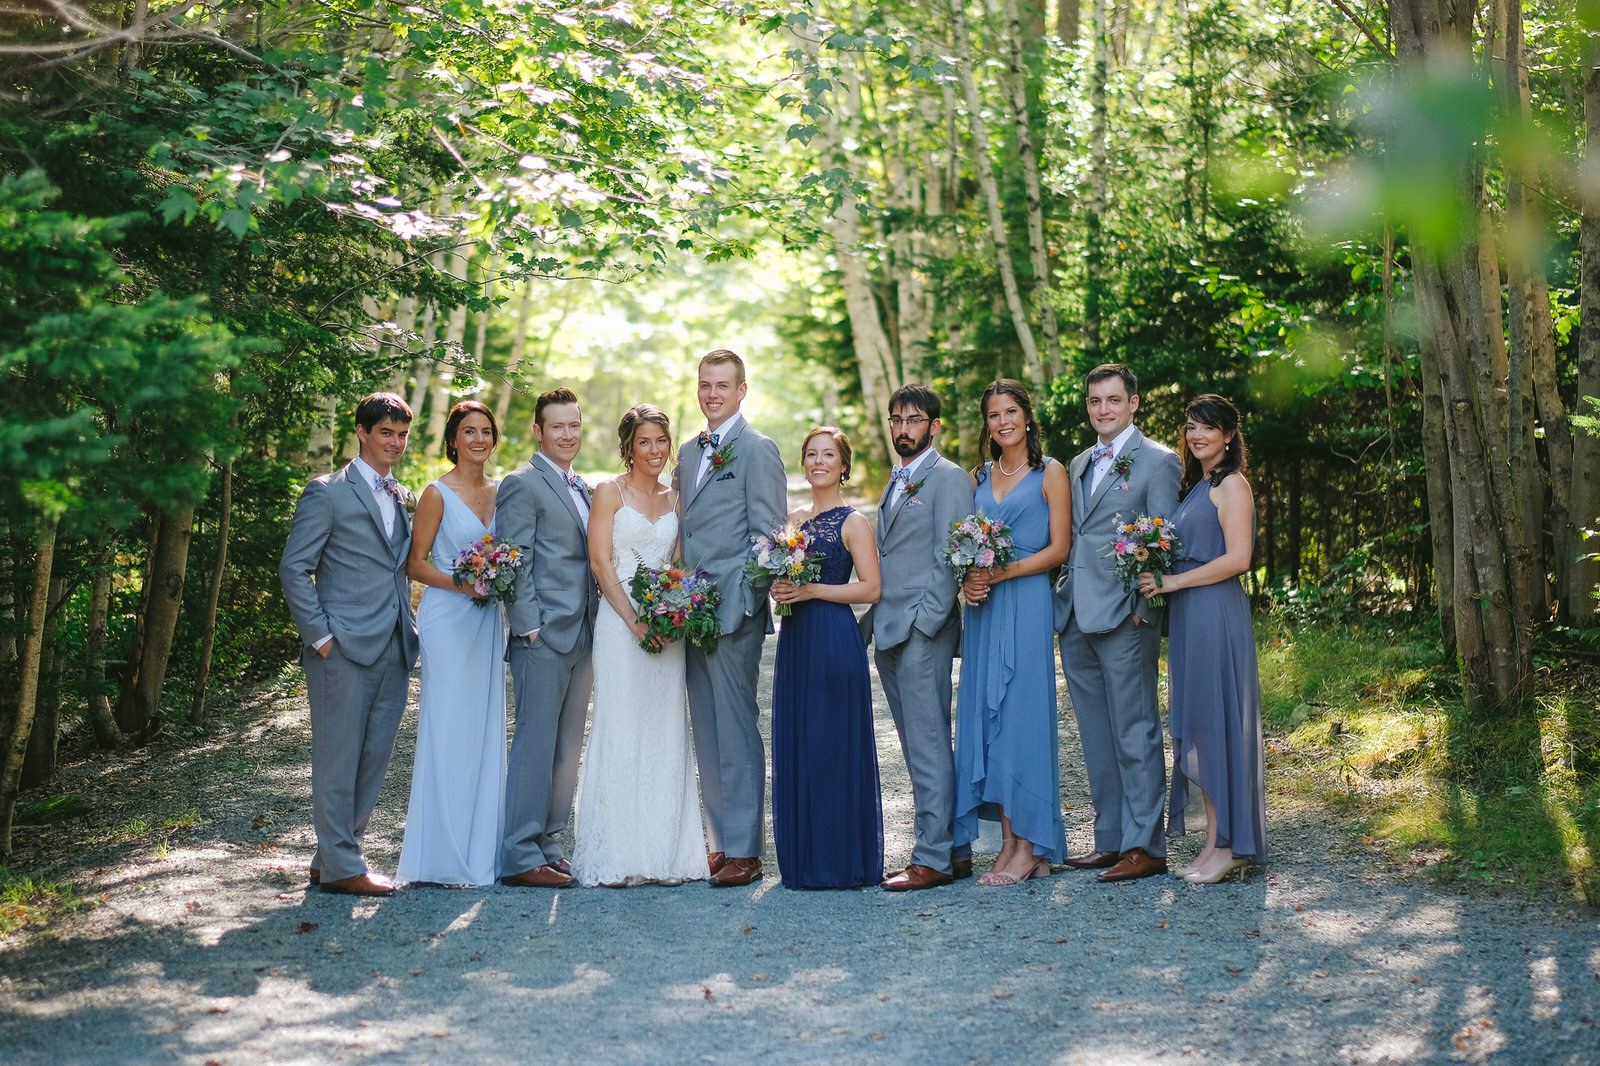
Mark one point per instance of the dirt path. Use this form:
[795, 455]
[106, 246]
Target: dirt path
[204, 947]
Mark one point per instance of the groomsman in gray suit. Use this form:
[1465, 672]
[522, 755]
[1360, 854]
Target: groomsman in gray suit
[1111, 637]
[544, 506]
[917, 624]
[344, 576]
[731, 489]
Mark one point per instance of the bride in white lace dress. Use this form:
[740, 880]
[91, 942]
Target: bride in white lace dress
[638, 810]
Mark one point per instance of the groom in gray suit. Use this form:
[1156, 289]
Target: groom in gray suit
[344, 576]
[731, 489]
[1111, 638]
[544, 507]
[916, 625]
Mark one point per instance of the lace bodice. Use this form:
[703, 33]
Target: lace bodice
[636, 541]
[829, 530]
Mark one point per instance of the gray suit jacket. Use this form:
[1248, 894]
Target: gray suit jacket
[918, 589]
[342, 576]
[1088, 586]
[747, 498]
[556, 593]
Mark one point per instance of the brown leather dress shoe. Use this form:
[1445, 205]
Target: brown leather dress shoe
[914, 877]
[734, 873]
[1135, 863]
[1095, 860]
[563, 865]
[539, 877]
[960, 869]
[363, 884]
[715, 859]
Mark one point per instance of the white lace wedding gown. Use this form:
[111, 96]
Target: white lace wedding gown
[638, 809]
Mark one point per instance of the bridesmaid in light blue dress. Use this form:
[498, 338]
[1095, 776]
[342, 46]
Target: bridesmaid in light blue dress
[1006, 743]
[1215, 684]
[453, 822]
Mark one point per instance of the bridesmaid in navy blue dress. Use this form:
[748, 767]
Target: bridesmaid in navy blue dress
[827, 814]
[1006, 740]
[1215, 687]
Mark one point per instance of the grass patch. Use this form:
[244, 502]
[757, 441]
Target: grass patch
[1369, 722]
[25, 902]
[142, 828]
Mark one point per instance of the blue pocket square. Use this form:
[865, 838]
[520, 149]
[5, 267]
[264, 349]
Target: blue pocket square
[726, 477]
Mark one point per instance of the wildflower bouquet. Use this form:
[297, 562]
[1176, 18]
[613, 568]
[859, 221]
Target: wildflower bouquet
[1145, 544]
[978, 540]
[788, 553]
[676, 604]
[490, 567]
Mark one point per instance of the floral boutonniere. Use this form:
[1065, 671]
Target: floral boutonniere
[722, 458]
[402, 495]
[1122, 467]
[912, 500]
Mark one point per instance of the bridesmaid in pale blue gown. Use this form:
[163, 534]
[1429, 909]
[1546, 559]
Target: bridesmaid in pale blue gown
[453, 822]
[1215, 687]
[1006, 743]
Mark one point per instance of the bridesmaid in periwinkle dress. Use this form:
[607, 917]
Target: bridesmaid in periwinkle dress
[1006, 743]
[1215, 688]
[453, 822]
[827, 813]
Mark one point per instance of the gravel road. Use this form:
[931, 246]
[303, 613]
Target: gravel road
[203, 946]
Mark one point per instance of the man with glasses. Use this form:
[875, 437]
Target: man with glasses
[917, 625]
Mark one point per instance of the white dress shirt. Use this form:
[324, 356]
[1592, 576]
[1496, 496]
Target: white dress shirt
[922, 459]
[1103, 466]
[579, 499]
[722, 432]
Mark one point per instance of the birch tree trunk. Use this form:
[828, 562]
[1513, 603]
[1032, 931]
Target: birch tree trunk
[519, 348]
[219, 570]
[29, 653]
[1038, 252]
[1094, 253]
[39, 764]
[983, 163]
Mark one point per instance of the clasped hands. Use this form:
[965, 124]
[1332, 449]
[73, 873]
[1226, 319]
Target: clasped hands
[975, 585]
[785, 591]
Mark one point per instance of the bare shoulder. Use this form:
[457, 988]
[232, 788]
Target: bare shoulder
[856, 522]
[608, 491]
[1235, 490]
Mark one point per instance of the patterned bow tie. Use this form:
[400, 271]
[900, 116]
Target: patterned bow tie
[1102, 452]
[901, 476]
[576, 482]
[388, 484]
[709, 440]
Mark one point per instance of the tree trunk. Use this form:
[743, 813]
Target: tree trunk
[1094, 253]
[519, 348]
[1069, 18]
[1039, 255]
[1436, 471]
[138, 709]
[219, 569]
[984, 164]
[96, 700]
[39, 764]
[29, 655]
[320, 445]
[1583, 510]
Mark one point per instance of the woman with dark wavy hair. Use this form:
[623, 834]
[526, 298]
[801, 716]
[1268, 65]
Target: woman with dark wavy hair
[1215, 688]
[1006, 764]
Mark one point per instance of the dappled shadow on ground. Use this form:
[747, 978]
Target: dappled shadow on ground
[212, 950]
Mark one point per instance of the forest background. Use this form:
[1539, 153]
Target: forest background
[1376, 227]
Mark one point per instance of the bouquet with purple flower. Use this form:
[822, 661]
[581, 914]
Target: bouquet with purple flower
[789, 553]
[676, 604]
[978, 540]
[490, 567]
[1145, 544]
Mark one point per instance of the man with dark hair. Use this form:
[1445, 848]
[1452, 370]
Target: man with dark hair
[344, 576]
[916, 625]
[1111, 637]
[544, 506]
[731, 489]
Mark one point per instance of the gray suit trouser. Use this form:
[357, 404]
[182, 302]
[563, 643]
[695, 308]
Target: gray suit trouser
[551, 692]
[355, 715]
[727, 738]
[916, 681]
[1112, 680]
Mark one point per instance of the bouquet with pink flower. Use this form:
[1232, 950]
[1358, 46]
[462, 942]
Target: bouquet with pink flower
[1145, 544]
[490, 567]
[789, 552]
[676, 604]
[978, 540]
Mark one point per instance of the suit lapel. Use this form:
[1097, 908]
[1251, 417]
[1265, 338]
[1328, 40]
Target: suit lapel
[363, 491]
[1112, 479]
[558, 485]
[711, 475]
[885, 514]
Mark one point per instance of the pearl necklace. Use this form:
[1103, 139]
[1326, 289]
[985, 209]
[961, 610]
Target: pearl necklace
[1010, 473]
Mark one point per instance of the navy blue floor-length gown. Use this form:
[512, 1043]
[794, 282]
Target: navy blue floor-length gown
[827, 813]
